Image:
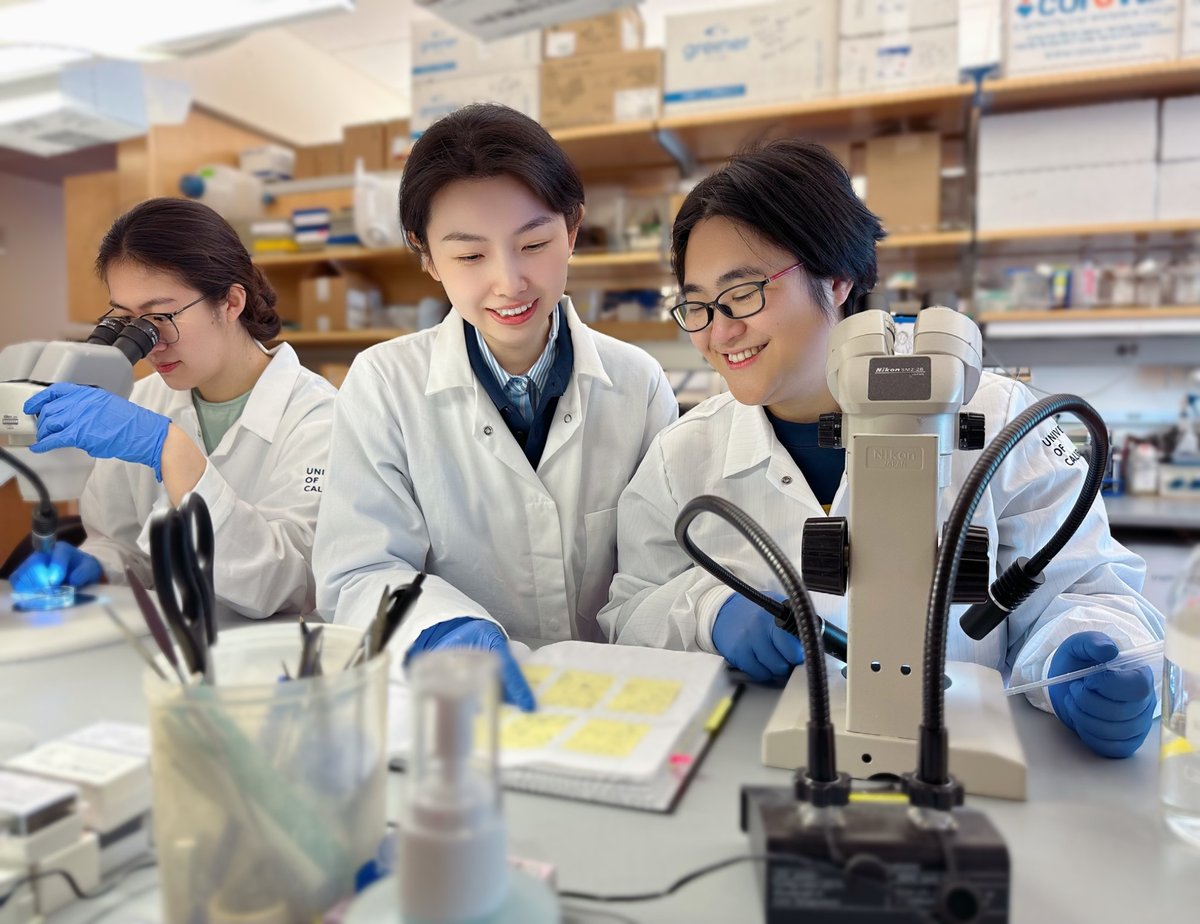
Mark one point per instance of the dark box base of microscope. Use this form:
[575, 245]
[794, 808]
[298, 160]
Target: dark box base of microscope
[877, 866]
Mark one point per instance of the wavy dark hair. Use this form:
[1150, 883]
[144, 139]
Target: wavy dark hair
[194, 244]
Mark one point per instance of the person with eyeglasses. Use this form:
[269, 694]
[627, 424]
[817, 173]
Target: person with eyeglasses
[244, 426]
[771, 252]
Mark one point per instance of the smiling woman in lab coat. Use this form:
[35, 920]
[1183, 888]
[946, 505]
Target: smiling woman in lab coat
[771, 252]
[489, 451]
[245, 427]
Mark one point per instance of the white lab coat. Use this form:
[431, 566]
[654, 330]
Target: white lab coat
[729, 449]
[425, 475]
[262, 485]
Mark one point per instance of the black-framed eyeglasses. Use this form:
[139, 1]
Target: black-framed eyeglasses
[737, 302]
[168, 332]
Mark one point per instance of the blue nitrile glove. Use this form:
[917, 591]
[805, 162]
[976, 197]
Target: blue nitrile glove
[100, 423]
[748, 638]
[470, 632]
[64, 565]
[1111, 711]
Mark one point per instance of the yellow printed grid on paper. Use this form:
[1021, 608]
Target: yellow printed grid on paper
[645, 696]
[536, 673]
[607, 738]
[576, 690]
[527, 731]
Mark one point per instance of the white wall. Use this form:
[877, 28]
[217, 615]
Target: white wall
[33, 248]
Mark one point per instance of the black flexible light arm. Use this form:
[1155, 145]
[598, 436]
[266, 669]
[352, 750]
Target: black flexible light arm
[822, 762]
[45, 516]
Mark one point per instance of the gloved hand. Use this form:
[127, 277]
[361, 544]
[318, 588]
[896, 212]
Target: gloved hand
[747, 636]
[470, 632]
[1111, 711]
[64, 565]
[100, 423]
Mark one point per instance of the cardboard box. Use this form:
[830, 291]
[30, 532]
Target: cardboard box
[396, 142]
[1181, 128]
[1179, 190]
[898, 60]
[366, 143]
[440, 51]
[345, 301]
[1108, 133]
[1189, 45]
[620, 30]
[1052, 35]
[433, 99]
[1087, 195]
[873, 17]
[601, 89]
[759, 54]
[319, 160]
[904, 181]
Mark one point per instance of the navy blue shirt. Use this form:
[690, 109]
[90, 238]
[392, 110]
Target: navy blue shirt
[821, 468]
[532, 438]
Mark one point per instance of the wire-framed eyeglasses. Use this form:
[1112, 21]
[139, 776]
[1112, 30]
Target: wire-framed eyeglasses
[737, 302]
[168, 332]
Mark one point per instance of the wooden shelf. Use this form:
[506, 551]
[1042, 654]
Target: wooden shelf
[621, 145]
[641, 258]
[341, 338]
[933, 240]
[1103, 85]
[1122, 229]
[331, 254]
[1080, 315]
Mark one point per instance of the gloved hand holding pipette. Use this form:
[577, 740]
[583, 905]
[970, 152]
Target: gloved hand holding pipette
[471, 632]
[65, 565]
[1111, 710]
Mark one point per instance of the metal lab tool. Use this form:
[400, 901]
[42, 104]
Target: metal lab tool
[1149, 653]
[181, 551]
[154, 621]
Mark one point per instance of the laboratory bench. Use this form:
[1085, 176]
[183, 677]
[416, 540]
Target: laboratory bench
[1088, 845]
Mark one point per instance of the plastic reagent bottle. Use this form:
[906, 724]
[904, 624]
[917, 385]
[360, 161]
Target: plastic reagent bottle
[1180, 753]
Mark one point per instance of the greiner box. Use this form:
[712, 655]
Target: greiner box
[1179, 170]
[727, 59]
[873, 17]
[431, 100]
[1189, 45]
[442, 51]
[601, 89]
[1067, 195]
[1043, 36]
[898, 60]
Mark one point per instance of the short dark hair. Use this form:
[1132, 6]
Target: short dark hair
[798, 196]
[191, 242]
[480, 141]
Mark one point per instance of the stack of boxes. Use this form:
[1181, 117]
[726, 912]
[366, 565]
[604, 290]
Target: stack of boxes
[596, 72]
[897, 44]
[451, 69]
[1042, 36]
[1179, 167]
[779, 52]
[79, 804]
[1083, 165]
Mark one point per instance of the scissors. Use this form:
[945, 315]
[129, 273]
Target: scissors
[181, 553]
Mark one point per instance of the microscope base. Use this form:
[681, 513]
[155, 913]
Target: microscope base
[985, 752]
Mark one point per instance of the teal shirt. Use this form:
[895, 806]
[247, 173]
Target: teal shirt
[217, 417]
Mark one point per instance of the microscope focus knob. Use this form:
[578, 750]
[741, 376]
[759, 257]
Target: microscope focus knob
[825, 555]
[829, 431]
[974, 572]
[971, 431]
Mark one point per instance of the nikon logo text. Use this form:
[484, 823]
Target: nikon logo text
[896, 458]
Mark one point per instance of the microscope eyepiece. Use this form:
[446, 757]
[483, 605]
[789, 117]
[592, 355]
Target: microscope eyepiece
[137, 338]
[107, 330]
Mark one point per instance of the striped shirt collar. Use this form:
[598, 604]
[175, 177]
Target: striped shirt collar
[539, 372]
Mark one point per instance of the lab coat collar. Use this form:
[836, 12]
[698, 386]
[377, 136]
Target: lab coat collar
[268, 398]
[449, 366]
[750, 438]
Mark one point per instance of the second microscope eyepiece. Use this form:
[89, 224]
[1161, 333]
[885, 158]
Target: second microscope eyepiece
[107, 330]
[137, 338]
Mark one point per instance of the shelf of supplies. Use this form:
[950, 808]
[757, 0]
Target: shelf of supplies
[1138, 229]
[332, 254]
[1101, 85]
[341, 338]
[1168, 321]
